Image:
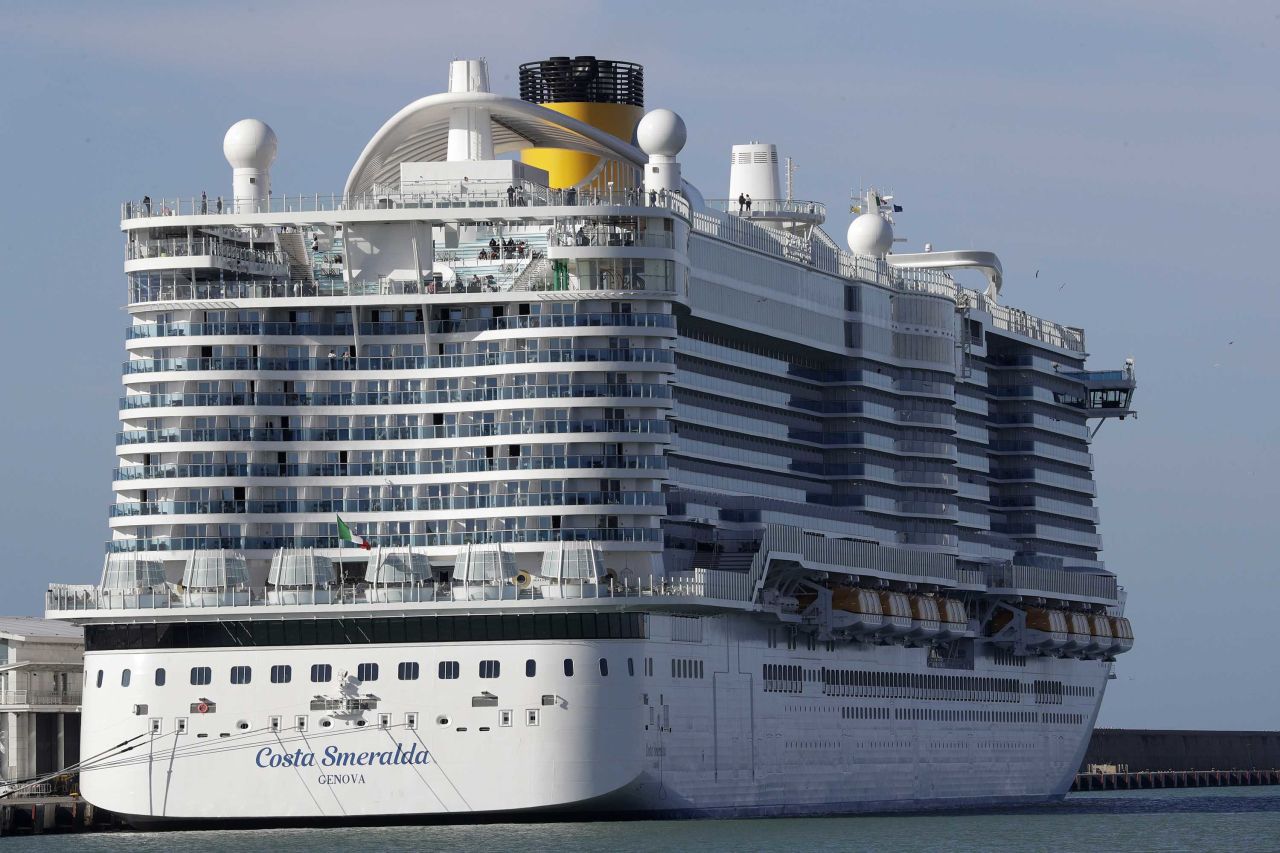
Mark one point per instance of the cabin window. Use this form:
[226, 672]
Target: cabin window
[408, 671]
[321, 673]
[530, 668]
[125, 677]
[604, 666]
[201, 675]
[568, 666]
[367, 672]
[241, 674]
[281, 673]
[160, 677]
[449, 669]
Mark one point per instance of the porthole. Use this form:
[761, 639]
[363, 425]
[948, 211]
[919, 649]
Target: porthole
[243, 725]
[325, 723]
[362, 722]
[443, 721]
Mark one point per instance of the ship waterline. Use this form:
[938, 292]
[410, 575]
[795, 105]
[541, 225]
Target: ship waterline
[551, 487]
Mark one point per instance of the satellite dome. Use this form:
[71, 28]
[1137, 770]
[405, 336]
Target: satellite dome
[661, 133]
[250, 144]
[870, 234]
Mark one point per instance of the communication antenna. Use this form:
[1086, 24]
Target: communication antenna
[791, 170]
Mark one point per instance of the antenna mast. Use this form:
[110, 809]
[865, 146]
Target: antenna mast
[791, 170]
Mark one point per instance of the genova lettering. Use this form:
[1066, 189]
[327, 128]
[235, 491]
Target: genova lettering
[403, 754]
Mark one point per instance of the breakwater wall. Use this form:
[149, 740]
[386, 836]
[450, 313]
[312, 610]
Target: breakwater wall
[1177, 758]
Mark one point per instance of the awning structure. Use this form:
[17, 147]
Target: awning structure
[420, 133]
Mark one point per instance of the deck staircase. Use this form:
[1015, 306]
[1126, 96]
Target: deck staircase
[293, 248]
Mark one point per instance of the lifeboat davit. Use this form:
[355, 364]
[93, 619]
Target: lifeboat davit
[1078, 636]
[925, 618]
[1121, 635]
[856, 609]
[896, 608]
[1046, 629]
[1099, 636]
[954, 621]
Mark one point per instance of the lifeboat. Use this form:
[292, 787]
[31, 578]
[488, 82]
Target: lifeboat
[1046, 629]
[1121, 635]
[856, 609]
[925, 621]
[1078, 637]
[1100, 636]
[896, 608]
[953, 622]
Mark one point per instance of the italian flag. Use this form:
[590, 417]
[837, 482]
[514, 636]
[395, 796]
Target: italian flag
[345, 534]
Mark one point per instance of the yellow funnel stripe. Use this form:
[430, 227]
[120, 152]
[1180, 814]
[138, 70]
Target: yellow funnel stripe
[568, 168]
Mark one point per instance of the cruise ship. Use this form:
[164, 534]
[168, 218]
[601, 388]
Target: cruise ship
[521, 479]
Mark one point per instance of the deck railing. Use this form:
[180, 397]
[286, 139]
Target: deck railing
[709, 584]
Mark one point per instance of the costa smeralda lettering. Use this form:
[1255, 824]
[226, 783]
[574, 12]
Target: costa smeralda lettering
[403, 754]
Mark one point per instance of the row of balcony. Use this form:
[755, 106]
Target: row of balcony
[636, 391]
[416, 328]
[634, 426]
[650, 535]
[414, 504]
[635, 355]
[601, 462]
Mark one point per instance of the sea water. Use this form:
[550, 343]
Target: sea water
[1208, 819]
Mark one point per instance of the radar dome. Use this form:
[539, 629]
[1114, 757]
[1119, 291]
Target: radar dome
[250, 144]
[661, 133]
[870, 234]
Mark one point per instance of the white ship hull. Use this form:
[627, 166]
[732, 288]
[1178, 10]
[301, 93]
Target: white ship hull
[718, 739]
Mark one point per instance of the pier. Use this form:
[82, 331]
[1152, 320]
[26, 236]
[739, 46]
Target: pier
[49, 814]
[1132, 759]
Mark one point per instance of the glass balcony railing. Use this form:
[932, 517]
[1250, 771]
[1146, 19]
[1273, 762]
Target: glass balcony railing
[200, 247]
[220, 435]
[642, 355]
[398, 540]
[435, 327]
[634, 391]
[771, 208]
[414, 504]
[472, 194]
[594, 462]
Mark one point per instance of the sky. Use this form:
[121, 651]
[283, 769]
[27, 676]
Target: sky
[1124, 151]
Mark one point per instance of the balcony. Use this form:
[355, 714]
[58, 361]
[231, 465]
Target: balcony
[39, 697]
[327, 470]
[633, 426]
[415, 328]
[650, 535]
[641, 355]
[657, 393]
[134, 509]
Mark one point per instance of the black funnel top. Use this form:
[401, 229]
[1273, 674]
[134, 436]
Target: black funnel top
[582, 79]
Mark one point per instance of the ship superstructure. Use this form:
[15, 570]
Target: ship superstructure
[545, 483]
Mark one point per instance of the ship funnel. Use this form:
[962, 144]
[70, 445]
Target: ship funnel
[753, 171]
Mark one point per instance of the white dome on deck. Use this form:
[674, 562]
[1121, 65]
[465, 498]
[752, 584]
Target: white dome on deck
[250, 144]
[870, 234]
[661, 133]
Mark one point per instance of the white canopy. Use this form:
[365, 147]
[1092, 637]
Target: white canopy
[420, 133]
